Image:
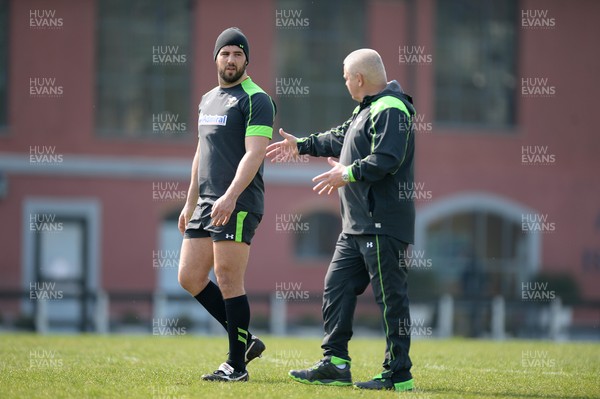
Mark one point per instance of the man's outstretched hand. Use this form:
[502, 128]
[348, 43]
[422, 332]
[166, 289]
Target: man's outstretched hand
[328, 181]
[283, 150]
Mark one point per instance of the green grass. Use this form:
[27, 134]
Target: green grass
[92, 366]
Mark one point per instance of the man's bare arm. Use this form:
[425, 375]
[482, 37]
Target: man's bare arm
[192, 194]
[256, 148]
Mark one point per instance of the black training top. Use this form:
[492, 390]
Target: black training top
[226, 116]
[377, 145]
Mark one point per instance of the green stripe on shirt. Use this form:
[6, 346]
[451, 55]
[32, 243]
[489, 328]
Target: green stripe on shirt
[259, 130]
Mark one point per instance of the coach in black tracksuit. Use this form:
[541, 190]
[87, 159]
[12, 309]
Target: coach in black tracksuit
[375, 148]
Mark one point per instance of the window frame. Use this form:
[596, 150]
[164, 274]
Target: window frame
[145, 132]
[323, 217]
[508, 126]
[324, 75]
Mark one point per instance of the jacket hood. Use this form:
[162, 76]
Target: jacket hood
[394, 89]
[394, 86]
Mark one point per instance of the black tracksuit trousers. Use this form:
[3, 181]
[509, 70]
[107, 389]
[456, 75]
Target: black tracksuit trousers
[358, 260]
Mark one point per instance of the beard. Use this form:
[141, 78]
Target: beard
[224, 74]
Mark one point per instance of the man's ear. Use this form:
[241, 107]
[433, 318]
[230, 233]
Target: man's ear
[360, 79]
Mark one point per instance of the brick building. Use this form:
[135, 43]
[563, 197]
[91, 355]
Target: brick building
[98, 103]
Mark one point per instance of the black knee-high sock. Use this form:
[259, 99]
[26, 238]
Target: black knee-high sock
[238, 317]
[212, 300]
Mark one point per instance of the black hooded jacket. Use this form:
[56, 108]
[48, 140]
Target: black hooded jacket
[377, 144]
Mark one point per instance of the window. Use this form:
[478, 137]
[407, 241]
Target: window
[61, 263]
[3, 63]
[143, 68]
[475, 62]
[477, 249]
[166, 259]
[61, 272]
[313, 49]
[318, 240]
[61, 260]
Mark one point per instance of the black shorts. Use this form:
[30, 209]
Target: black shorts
[240, 228]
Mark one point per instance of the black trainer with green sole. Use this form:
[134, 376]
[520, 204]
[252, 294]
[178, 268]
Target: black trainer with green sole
[323, 373]
[380, 383]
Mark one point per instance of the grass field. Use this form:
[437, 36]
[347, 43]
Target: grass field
[153, 367]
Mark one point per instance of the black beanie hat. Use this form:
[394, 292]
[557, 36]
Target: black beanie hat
[235, 37]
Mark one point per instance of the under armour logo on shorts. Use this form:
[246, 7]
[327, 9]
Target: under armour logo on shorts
[229, 236]
[370, 244]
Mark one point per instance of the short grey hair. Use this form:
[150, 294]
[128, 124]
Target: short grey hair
[368, 63]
